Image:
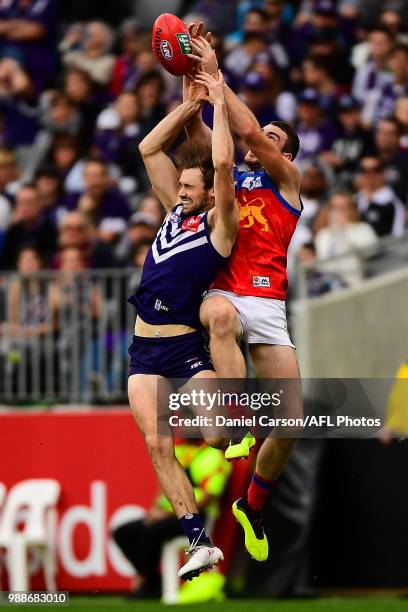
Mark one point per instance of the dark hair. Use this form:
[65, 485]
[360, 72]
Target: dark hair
[394, 122]
[383, 30]
[399, 47]
[94, 159]
[195, 155]
[151, 75]
[263, 14]
[292, 143]
[320, 63]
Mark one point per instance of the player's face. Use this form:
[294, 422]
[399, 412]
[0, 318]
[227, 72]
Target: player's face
[191, 192]
[274, 133]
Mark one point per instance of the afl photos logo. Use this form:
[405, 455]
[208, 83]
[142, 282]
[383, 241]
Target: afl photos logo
[166, 50]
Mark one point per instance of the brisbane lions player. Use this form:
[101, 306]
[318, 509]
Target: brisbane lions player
[248, 296]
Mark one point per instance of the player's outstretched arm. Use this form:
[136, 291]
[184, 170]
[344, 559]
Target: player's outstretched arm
[163, 174]
[196, 129]
[282, 171]
[226, 216]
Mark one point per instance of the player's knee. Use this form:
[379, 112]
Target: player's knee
[160, 448]
[223, 320]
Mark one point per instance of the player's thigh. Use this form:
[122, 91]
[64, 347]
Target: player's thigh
[276, 366]
[274, 361]
[148, 395]
[218, 314]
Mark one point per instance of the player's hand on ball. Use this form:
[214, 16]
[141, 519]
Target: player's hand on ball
[205, 55]
[215, 86]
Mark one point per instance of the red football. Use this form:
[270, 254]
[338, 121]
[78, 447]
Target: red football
[171, 43]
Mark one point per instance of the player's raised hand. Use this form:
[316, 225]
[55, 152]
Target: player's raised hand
[195, 30]
[215, 86]
[205, 55]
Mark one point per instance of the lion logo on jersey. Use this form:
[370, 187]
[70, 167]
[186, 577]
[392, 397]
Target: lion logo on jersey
[253, 212]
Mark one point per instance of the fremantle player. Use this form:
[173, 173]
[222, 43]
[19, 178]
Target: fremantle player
[248, 296]
[191, 247]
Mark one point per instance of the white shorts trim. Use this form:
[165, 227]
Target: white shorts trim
[263, 320]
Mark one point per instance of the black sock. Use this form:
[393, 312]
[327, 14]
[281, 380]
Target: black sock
[193, 527]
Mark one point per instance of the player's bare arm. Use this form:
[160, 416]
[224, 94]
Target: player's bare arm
[162, 172]
[264, 144]
[224, 218]
[196, 129]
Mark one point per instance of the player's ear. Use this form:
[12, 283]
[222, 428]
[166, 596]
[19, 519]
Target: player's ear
[288, 156]
[211, 192]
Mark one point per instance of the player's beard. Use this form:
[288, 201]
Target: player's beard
[253, 165]
[198, 207]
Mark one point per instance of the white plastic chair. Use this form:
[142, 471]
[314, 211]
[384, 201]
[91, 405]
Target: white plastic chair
[170, 564]
[38, 498]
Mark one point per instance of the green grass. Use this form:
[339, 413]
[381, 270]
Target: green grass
[333, 604]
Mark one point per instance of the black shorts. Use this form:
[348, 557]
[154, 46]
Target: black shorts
[172, 357]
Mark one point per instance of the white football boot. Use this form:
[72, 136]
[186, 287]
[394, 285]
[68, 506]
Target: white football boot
[201, 559]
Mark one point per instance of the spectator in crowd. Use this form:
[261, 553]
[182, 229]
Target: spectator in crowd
[313, 191]
[151, 204]
[80, 90]
[118, 136]
[9, 174]
[49, 186]
[316, 133]
[142, 227]
[150, 91]
[75, 304]
[373, 73]
[239, 60]
[387, 138]
[29, 226]
[8, 178]
[255, 95]
[18, 107]
[284, 101]
[132, 42]
[75, 231]
[93, 55]
[29, 322]
[343, 238]
[318, 74]
[65, 155]
[380, 102]
[27, 33]
[28, 301]
[59, 117]
[350, 143]
[322, 18]
[394, 22]
[102, 203]
[377, 202]
[401, 115]
[71, 290]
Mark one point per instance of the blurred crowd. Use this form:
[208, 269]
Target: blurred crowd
[77, 97]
